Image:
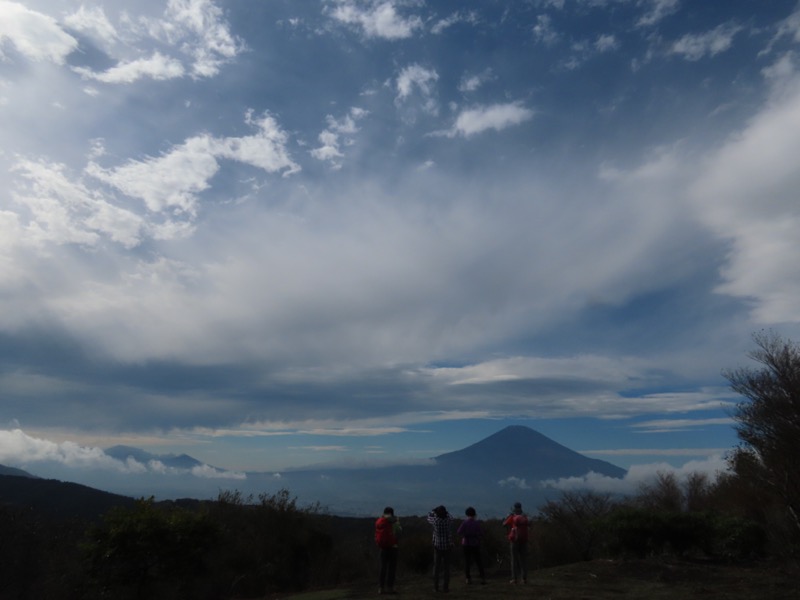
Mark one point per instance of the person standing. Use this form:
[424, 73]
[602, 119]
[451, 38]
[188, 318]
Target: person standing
[471, 532]
[387, 532]
[442, 543]
[517, 525]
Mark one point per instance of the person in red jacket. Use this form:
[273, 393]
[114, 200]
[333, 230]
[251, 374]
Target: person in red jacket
[387, 531]
[517, 525]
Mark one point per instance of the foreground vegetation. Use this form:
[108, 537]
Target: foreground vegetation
[672, 538]
[735, 537]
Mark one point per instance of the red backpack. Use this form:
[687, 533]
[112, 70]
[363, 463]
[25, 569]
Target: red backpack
[384, 533]
[519, 529]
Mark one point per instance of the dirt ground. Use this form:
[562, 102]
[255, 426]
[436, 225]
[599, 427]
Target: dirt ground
[653, 579]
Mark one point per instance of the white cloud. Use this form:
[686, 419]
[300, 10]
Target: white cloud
[663, 425]
[606, 43]
[514, 482]
[483, 118]
[173, 180]
[209, 472]
[453, 19]
[416, 77]
[789, 27]
[193, 37]
[656, 10]
[415, 89]
[20, 449]
[168, 182]
[543, 31]
[66, 211]
[471, 83]
[516, 368]
[158, 67]
[639, 475]
[696, 46]
[92, 21]
[782, 70]
[747, 194]
[330, 139]
[198, 25]
[34, 35]
[657, 452]
[378, 19]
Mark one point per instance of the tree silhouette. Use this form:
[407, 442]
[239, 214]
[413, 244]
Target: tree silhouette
[768, 421]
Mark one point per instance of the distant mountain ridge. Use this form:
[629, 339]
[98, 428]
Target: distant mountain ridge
[177, 461]
[491, 474]
[506, 467]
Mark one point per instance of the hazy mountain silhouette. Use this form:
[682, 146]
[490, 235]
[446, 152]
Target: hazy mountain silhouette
[491, 474]
[177, 461]
[521, 450]
[4, 470]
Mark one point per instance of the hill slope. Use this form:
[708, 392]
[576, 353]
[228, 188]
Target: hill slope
[58, 499]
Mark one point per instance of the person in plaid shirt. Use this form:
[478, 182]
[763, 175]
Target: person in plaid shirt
[442, 544]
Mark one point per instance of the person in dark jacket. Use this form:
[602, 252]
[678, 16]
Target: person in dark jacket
[471, 532]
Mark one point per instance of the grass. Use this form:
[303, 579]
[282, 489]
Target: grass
[652, 579]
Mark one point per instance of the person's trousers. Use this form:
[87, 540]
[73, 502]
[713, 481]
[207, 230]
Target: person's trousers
[388, 568]
[472, 554]
[519, 562]
[441, 568]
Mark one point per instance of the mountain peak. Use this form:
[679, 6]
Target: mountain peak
[520, 451]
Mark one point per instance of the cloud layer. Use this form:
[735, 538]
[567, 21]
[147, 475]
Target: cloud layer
[220, 222]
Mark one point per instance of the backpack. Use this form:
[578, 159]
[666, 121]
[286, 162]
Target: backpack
[384, 533]
[519, 529]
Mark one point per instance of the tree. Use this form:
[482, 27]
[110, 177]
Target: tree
[768, 421]
[576, 520]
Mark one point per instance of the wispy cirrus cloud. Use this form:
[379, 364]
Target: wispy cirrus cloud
[494, 117]
[656, 10]
[662, 425]
[158, 67]
[416, 80]
[338, 133]
[694, 47]
[376, 19]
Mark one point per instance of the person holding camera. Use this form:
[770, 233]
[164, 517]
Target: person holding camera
[441, 521]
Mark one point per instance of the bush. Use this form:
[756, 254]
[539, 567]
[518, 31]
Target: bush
[150, 551]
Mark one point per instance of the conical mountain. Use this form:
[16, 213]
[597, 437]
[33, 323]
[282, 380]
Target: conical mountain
[522, 452]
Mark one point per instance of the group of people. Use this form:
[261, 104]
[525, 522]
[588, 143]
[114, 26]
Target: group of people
[470, 530]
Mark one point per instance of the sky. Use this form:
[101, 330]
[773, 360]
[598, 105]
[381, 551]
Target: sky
[279, 233]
